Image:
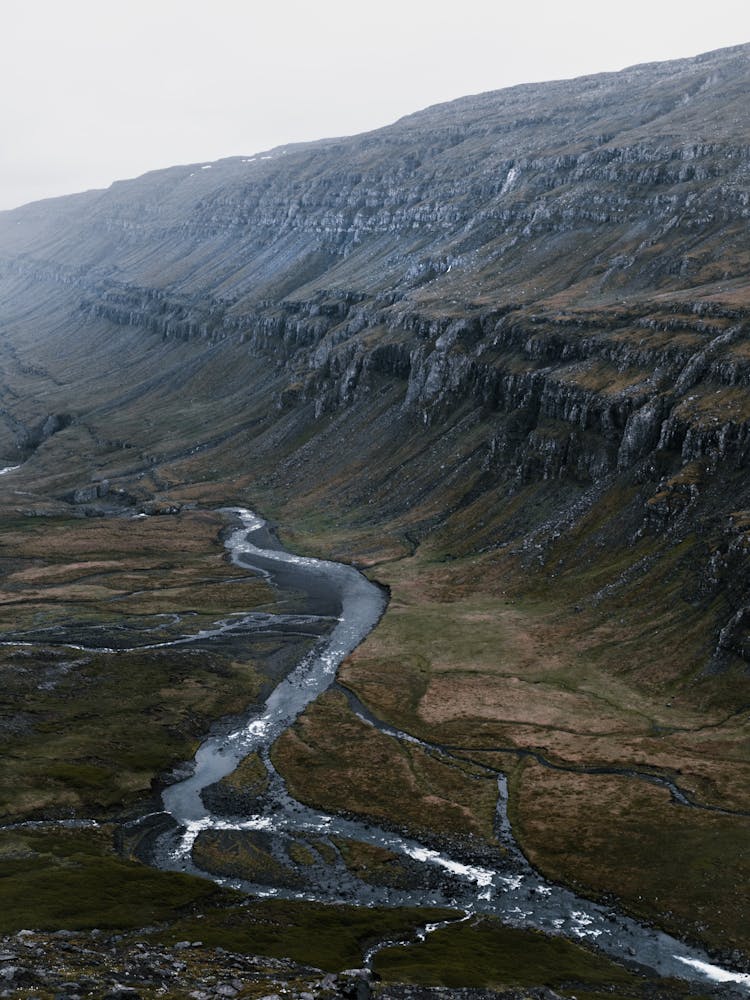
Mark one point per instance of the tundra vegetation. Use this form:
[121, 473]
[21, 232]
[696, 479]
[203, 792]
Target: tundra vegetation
[496, 355]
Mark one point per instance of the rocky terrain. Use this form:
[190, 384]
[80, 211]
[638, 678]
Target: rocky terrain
[497, 352]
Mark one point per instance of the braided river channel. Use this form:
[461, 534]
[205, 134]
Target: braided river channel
[344, 606]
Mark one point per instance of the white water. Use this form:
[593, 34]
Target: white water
[715, 973]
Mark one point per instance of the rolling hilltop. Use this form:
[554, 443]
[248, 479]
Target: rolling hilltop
[497, 352]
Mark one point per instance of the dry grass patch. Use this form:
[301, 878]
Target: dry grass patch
[333, 760]
[682, 867]
[513, 700]
[102, 569]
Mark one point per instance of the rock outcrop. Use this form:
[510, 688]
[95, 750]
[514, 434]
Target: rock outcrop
[564, 264]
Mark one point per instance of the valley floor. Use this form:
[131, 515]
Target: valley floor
[575, 661]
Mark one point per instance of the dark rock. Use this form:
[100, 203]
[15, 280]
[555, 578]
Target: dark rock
[356, 984]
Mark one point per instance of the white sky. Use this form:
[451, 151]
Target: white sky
[96, 90]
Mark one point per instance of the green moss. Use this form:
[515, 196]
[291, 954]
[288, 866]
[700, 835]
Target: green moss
[333, 760]
[605, 833]
[74, 880]
[374, 865]
[300, 854]
[250, 776]
[330, 937]
[242, 854]
[99, 736]
[82, 777]
[325, 850]
[485, 953]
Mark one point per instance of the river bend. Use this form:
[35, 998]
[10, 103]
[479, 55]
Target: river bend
[512, 891]
[340, 602]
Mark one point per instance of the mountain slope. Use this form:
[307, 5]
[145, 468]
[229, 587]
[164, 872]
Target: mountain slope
[568, 262]
[499, 352]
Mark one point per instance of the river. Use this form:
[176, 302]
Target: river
[512, 891]
[344, 603]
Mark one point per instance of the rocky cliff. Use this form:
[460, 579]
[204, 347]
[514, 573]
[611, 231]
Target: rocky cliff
[498, 352]
[565, 265]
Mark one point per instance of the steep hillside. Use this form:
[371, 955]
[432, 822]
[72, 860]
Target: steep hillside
[497, 352]
[565, 263]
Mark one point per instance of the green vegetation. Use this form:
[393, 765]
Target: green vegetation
[89, 733]
[376, 865]
[249, 778]
[656, 855]
[331, 758]
[484, 953]
[329, 937]
[120, 571]
[96, 740]
[300, 854]
[73, 879]
[475, 652]
[243, 854]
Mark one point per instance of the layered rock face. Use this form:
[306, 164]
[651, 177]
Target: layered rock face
[565, 264]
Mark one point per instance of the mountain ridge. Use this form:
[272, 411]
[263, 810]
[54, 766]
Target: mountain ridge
[636, 69]
[497, 353]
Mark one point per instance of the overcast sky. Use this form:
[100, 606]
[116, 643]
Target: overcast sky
[96, 90]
